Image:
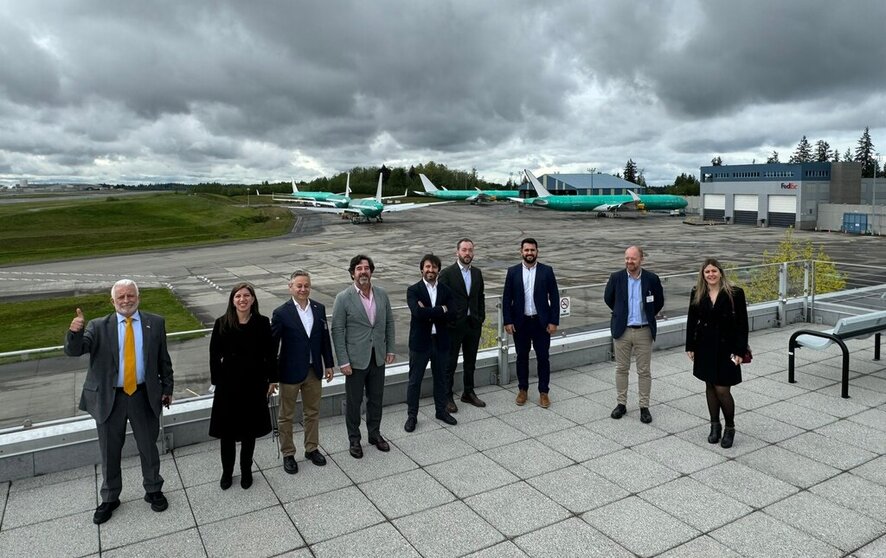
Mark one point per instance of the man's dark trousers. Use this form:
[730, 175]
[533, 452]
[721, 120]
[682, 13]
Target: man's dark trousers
[533, 332]
[438, 356]
[372, 379]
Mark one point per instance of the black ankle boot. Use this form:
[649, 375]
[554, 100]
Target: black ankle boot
[714, 436]
[728, 437]
[245, 478]
[226, 481]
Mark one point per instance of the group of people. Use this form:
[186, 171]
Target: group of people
[252, 357]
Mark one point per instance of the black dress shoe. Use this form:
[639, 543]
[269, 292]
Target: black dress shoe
[356, 449]
[316, 458]
[289, 464]
[645, 415]
[471, 397]
[245, 479]
[410, 424]
[619, 411]
[226, 481]
[157, 500]
[381, 444]
[447, 418]
[728, 437]
[714, 436]
[104, 511]
[451, 407]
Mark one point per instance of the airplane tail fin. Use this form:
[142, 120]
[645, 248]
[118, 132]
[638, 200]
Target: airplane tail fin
[428, 185]
[634, 196]
[540, 190]
[294, 187]
[348, 186]
[378, 192]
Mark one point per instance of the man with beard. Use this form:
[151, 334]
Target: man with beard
[430, 303]
[469, 310]
[531, 313]
[363, 337]
[635, 297]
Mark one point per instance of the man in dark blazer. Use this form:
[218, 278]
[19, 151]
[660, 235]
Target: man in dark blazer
[363, 337]
[129, 378]
[430, 303]
[531, 313]
[635, 296]
[305, 356]
[469, 309]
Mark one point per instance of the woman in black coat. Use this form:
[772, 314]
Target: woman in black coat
[242, 363]
[716, 337]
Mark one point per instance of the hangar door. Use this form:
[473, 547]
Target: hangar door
[745, 209]
[782, 211]
[714, 206]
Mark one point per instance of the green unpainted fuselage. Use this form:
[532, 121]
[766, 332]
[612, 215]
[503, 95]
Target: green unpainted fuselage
[607, 203]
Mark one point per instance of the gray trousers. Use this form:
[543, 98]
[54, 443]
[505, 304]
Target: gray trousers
[372, 380]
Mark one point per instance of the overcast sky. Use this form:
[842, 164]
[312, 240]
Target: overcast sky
[246, 91]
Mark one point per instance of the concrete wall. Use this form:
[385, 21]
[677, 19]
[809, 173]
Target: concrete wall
[830, 216]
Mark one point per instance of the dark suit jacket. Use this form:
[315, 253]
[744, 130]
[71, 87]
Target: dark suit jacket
[296, 346]
[616, 297]
[462, 301]
[425, 317]
[99, 339]
[546, 296]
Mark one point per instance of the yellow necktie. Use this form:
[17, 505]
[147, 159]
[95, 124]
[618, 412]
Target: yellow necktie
[129, 381]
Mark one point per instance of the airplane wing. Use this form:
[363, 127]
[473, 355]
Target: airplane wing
[408, 206]
[632, 205]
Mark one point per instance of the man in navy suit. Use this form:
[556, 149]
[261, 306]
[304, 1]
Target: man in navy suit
[635, 297]
[430, 303]
[300, 329]
[531, 309]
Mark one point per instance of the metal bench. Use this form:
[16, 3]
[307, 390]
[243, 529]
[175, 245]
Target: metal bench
[854, 327]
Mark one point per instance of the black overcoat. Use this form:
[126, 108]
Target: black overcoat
[715, 332]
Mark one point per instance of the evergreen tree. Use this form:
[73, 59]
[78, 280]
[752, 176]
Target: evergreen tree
[847, 155]
[773, 158]
[803, 153]
[630, 171]
[822, 151]
[864, 154]
[835, 155]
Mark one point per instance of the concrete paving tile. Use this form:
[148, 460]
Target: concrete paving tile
[72, 535]
[334, 435]
[761, 536]
[579, 384]
[627, 431]
[135, 521]
[680, 455]
[835, 406]
[748, 400]
[392, 423]
[467, 531]
[702, 547]
[868, 379]
[49, 502]
[433, 447]
[181, 544]
[827, 450]
[466, 413]
[743, 443]
[696, 504]
[309, 481]
[858, 435]
[874, 470]
[631, 470]
[210, 503]
[572, 537]
[374, 464]
[300, 553]
[788, 466]
[133, 481]
[265, 455]
[537, 422]
[51, 478]
[855, 493]
[765, 428]
[745, 484]
[875, 418]
[379, 541]
[796, 415]
[662, 392]
[199, 468]
[471, 474]
[660, 531]
[501, 402]
[395, 496]
[333, 514]
[876, 549]
[683, 380]
[516, 509]
[202, 447]
[528, 458]
[581, 410]
[839, 526]
[487, 433]
[579, 443]
[673, 420]
[270, 532]
[857, 394]
[577, 489]
[693, 405]
[506, 549]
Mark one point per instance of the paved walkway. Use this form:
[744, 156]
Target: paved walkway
[806, 477]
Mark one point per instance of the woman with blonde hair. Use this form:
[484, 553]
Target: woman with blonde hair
[716, 337]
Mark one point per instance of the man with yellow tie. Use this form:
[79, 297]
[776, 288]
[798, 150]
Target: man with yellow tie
[129, 378]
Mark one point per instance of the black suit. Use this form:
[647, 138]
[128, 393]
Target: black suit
[426, 346]
[111, 407]
[469, 311]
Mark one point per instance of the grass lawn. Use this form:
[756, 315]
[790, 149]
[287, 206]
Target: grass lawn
[82, 228]
[43, 323]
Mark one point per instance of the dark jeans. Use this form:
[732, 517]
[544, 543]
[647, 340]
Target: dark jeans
[438, 355]
[372, 380]
[533, 334]
[468, 340]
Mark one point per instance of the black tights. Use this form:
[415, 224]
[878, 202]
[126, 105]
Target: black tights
[229, 453]
[719, 397]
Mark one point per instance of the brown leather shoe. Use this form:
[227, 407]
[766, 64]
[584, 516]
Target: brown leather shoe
[471, 397]
[522, 397]
[450, 406]
[543, 401]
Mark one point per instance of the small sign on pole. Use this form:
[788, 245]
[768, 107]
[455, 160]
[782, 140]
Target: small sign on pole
[565, 306]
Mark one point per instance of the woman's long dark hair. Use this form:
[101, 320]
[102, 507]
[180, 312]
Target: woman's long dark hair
[230, 319]
[701, 286]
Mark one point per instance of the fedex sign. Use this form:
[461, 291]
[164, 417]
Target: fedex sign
[788, 185]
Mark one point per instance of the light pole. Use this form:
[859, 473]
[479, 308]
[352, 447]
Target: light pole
[874, 215]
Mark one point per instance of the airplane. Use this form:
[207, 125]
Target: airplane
[363, 210]
[315, 198]
[473, 196]
[599, 203]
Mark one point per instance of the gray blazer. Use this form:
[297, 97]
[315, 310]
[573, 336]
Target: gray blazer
[99, 339]
[353, 336]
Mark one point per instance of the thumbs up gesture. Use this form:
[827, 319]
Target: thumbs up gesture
[78, 322]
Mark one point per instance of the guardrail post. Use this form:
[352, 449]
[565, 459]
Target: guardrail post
[782, 294]
[807, 265]
[503, 372]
